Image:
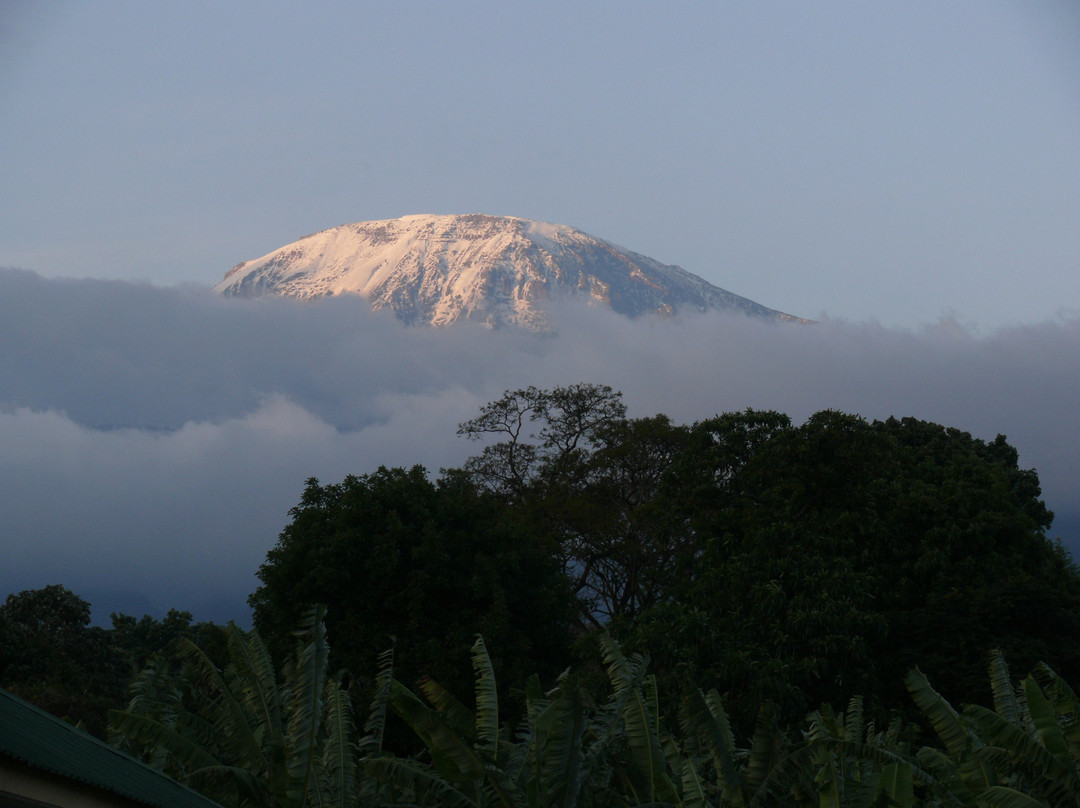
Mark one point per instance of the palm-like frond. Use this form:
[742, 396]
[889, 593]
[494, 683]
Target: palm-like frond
[1003, 797]
[230, 717]
[829, 784]
[339, 750]
[947, 776]
[151, 732]
[625, 673]
[1006, 702]
[946, 722]
[375, 726]
[1046, 724]
[256, 670]
[417, 783]
[791, 780]
[854, 727]
[456, 714]
[897, 784]
[306, 680]
[694, 788]
[1066, 706]
[487, 702]
[557, 747]
[705, 717]
[453, 757]
[1019, 746]
[646, 770]
[233, 781]
[237, 732]
[766, 749]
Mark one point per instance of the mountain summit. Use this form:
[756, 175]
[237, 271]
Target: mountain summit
[493, 269]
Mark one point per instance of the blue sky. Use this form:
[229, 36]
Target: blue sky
[909, 171]
[867, 161]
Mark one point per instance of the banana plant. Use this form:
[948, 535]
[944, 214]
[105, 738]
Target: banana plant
[841, 762]
[633, 711]
[242, 736]
[1025, 753]
[567, 752]
[468, 749]
[713, 762]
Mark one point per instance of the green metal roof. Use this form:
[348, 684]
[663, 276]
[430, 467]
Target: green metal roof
[44, 742]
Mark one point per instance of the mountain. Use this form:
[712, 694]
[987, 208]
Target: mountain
[497, 270]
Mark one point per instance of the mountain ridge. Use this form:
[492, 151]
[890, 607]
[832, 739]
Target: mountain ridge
[498, 270]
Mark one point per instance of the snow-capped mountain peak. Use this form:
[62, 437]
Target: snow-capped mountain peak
[498, 270]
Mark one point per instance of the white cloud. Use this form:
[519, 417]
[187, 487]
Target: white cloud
[154, 439]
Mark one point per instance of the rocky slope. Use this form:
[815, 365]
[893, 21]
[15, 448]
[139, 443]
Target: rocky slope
[498, 270]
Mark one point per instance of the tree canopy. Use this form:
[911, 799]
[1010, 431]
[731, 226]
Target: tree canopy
[832, 556]
[397, 556]
[798, 563]
[785, 567]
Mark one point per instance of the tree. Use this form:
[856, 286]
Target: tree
[51, 656]
[140, 640]
[570, 462]
[430, 563]
[571, 420]
[832, 554]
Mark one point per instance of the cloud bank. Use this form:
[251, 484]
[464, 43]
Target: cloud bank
[155, 439]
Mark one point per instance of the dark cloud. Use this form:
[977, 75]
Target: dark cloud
[155, 439]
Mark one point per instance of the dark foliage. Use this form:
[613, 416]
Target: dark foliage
[836, 555]
[395, 555]
[51, 656]
[785, 565]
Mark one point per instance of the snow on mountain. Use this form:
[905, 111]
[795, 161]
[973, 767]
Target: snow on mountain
[493, 269]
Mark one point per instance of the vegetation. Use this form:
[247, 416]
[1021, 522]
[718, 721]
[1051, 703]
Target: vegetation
[245, 739]
[617, 562]
[242, 734]
[426, 564]
[791, 564]
[829, 556]
[51, 656]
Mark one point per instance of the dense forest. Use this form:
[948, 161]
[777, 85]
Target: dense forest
[607, 610]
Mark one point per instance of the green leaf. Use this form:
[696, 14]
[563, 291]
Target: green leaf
[1002, 797]
[453, 757]
[1018, 744]
[706, 717]
[647, 767]
[255, 671]
[457, 715]
[375, 726]
[147, 730]
[233, 779]
[557, 746]
[230, 717]
[766, 749]
[829, 785]
[1006, 703]
[487, 702]
[305, 709]
[897, 783]
[694, 793]
[424, 784]
[853, 723]
[943, 718]
[1046, 725]
[1066, 706]
[339, 752]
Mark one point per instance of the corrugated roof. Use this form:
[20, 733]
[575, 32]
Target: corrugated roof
[44, 742]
